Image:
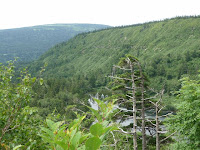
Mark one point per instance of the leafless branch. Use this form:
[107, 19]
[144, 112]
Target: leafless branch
[119, 78]
[124, 109]
[153, 103]
[122, 68]
[12, 128]
[151, 122]
[149, 98]
[167, 137]
[115, 141]
[166, 115]
[162, 132]
[161, 109]
[125, 132]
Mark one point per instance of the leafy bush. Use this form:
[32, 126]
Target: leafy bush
[61, 136]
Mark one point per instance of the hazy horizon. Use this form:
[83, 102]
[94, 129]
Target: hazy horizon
[23, 13]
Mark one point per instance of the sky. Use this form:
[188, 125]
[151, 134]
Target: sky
[22, 13]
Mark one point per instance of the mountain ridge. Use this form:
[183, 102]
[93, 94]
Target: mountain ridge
[167, 49]
[28, 43]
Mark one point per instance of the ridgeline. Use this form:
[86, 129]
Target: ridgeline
[29, 43]
[167, 49]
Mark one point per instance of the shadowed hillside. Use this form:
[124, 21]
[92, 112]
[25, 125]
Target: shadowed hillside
[30, 42]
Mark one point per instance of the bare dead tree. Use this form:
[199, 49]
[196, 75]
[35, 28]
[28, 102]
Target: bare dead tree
[128, 65]
[132, 66]
[134, 104]
[158, 108]
[133, 82]
[144, 142]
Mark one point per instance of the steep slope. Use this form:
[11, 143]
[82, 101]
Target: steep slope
[30, 42]
[167, 49]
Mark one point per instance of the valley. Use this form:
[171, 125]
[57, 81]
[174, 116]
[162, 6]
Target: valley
[150, 67]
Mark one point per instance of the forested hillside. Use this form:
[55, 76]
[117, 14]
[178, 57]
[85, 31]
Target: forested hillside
[29, 43]
[167, 50]
[147, 75]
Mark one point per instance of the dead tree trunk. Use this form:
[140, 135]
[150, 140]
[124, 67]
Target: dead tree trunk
[133, 84]
[158, 108]
[132, 81]
[157, 127]
[144, 142]
[134, 106]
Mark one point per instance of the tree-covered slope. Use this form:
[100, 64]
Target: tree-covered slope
[29, 43]
[167, 49]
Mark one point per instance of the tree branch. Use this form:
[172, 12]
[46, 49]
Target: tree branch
[168, 137]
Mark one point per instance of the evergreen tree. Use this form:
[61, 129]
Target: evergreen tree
[186, 122]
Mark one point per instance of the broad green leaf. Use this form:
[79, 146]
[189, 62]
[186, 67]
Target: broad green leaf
[83, 138]
[71, 124]
[96, 113]
[17, 147]
[62, 144]
[34, 79]
[41, 81]
[46, 138]
[75, 140]
[96, 129]
[58, 147]
[105, 123]
[111, 128]
[50, 123]
[81, 148]
[108, 130]
[93, 143]
[57, 125]
[72, 147]
[76, 123]
[73, 132]
[102, 105]
[49, 132]
[62, 130]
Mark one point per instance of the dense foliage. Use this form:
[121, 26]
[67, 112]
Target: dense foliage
[186, 122]
[167, 50]
[57, 94]
[30, 42]
[18, 121]
[62, 136]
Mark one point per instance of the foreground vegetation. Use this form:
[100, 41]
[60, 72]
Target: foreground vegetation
[51, 111]
[23, 128]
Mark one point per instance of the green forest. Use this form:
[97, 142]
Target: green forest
[29, 43]
[144, 80]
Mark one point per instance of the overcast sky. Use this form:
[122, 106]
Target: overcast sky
[21, 13]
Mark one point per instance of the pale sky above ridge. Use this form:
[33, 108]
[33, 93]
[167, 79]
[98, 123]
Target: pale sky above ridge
[22, 13]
